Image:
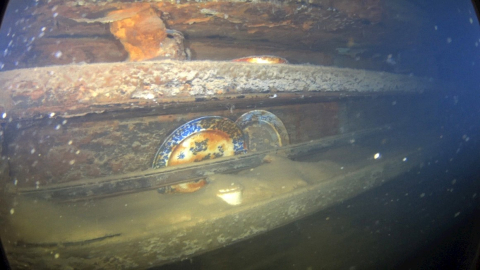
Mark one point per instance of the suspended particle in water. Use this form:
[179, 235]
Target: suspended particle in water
[449, 40]
[456, 214]
[58, 127]
[72, 162]
[58, 54]
[12, 211]
[377, 156]
[4, 115]
[70, 142]
[64, 122]
[404, 159]
[57, 255]
[32, 151]
[52, 114]
[422, 195]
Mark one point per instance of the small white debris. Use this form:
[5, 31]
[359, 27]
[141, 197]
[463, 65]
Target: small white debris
[64, 122]
[4, 115]
[471, 20]
[15, 182]
[32, 151]
[377, 156]
[12, 211]
[72, 162]
[58, 127]
[37, 184]
[70, 142]
[58, 54]
[422, 195]
[78, 152]
[456, 214]
[57, 255]
[273, 96]
[404, 159]
[52, 114]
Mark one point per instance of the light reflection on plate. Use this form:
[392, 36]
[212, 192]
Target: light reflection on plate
[204, 138]
[263, 130]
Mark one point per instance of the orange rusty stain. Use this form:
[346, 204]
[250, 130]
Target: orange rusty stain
[141, 34]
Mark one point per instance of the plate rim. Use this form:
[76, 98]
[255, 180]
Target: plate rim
[158, 155]
[284, 140]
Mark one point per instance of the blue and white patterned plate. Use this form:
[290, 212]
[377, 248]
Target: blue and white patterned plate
[204, 138]
[263, 130]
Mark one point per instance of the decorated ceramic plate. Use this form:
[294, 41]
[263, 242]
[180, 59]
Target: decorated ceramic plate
[200, 139]
[262, 130]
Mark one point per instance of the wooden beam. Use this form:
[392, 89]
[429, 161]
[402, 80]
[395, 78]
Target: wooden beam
[132, 182]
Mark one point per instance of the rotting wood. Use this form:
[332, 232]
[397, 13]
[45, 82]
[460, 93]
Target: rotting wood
[78, 89]
[131, 182]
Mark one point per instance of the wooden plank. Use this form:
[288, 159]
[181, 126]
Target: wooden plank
[83, 89]
[115, 185]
